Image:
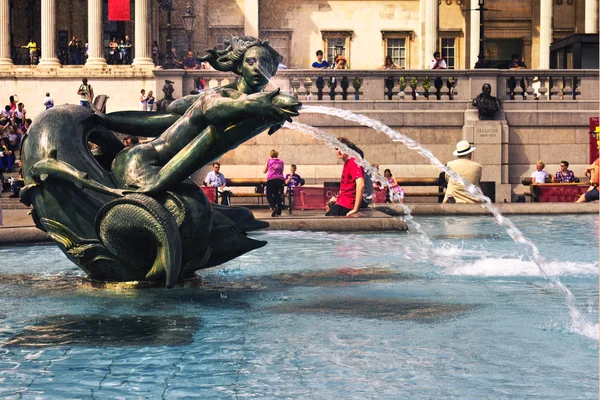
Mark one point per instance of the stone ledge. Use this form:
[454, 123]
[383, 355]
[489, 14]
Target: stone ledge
[504, 208]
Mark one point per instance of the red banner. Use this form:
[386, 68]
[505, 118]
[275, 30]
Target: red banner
[119, 10]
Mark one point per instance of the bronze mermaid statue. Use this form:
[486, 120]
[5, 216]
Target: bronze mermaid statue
[128, 214]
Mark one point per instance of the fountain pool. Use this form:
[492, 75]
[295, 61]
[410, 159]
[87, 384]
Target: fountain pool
[319, 315]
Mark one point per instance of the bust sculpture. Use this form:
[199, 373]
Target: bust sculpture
[168, 90]
[487, 105]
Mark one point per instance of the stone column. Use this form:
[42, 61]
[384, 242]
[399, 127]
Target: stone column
[546, 13]
[251, 21]
[48, 59]
[5, 59]
[591, 16]
[474, 33]
[431, 30]
[95, 46]
[142, 49]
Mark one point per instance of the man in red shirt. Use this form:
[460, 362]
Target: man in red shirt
[352, 184]
[593, 170]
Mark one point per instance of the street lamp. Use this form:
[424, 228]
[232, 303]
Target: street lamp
[481, 63]
[188, 23]
[167, 5]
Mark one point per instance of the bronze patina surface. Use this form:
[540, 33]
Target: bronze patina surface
[129, 214]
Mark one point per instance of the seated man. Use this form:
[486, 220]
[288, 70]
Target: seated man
[217, 180]
[468, 170]
[352, 185]
[593, 171]
[565, 175]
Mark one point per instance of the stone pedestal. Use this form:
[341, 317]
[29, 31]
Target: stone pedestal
[490, 137]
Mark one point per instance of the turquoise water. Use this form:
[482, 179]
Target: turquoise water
[318, 315]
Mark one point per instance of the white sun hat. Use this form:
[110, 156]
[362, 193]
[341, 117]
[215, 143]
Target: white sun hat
[463, 148]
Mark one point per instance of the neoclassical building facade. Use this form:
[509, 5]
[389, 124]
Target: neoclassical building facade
[365, 31]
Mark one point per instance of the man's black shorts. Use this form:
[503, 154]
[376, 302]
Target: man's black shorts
[337, 211]
[592, 195]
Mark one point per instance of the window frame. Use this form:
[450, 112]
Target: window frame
[286, 34]
[456, 35]
[214, 32]
[407, 36]
[346, 35]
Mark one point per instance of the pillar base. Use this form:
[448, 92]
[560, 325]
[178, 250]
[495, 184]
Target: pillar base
[49, 63]
[96, 62]
[142, 62]
[6, 62]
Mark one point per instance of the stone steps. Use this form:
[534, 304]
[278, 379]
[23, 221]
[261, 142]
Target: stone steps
[8, 203]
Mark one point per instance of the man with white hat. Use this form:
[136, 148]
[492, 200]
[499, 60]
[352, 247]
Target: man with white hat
[468, 170]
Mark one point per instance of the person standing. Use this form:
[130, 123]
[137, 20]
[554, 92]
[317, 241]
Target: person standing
[73, 51]
[86, 92]
[320, 63]
[437, 62]
[143, 100]
[565, 175]
[217, 180]
[128, 46]
[275, 182]
[150, 101]
[48, 102]
[352, 184]
[468, 170]
[155, 53]
[113, 52]
[32, 46]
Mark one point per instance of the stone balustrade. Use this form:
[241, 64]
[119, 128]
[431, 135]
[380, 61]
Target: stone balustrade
[408, 85]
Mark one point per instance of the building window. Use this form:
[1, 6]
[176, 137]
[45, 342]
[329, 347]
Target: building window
[219, 35]
[280, 40]
[396, 48]
[449, 52]
[337, 43]
[396, 45]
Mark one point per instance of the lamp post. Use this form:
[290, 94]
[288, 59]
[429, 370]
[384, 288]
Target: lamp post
[481, 63]
[167, 5]
[188, 24]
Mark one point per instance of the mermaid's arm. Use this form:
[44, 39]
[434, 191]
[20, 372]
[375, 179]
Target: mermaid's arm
[137, 123]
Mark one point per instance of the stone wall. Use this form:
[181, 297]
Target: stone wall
[530, 130]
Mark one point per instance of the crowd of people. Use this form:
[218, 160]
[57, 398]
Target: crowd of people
[119, 52]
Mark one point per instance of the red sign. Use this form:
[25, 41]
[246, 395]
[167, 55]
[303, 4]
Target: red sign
[119, 10]
[594, 124]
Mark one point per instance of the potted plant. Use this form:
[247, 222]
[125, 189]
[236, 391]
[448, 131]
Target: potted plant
[356, 84]
[413, 85]
[426, 86]
[402, 85]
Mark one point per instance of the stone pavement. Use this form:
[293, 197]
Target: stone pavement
[19, 228]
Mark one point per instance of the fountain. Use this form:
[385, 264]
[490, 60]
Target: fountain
[453, 311]
[133, 214]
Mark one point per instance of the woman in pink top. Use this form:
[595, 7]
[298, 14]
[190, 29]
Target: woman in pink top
[275, 183]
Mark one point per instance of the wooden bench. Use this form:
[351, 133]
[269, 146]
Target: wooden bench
[257, 183]
[414, 182]
[554, 192]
